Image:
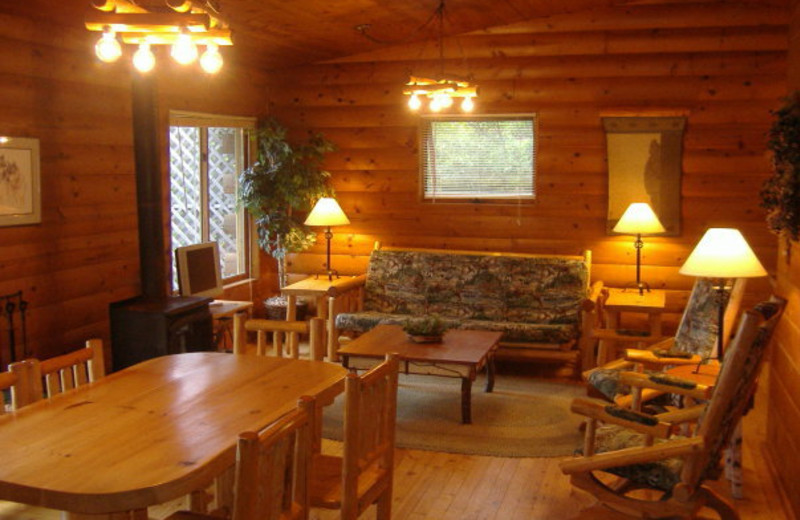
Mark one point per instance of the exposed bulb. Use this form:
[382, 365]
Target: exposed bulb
[414, 102]
[211, 60]
[446, 101]
[107, 47]
[184, 51]
[143, 59]
[467, 104]
[435, 105]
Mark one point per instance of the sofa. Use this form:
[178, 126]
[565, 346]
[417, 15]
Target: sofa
[536, 301]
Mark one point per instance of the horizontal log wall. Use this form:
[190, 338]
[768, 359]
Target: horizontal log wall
[721, 65]
[783, 424]
[84, 254]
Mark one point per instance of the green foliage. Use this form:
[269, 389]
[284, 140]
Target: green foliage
[780, 194]
[284, 179]
[427, 326]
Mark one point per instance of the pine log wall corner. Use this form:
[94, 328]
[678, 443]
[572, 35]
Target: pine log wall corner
[722, 65]
[84, 254]
[783, 392]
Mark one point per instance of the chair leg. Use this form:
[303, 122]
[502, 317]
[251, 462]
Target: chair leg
[720, 505]
[384, 505]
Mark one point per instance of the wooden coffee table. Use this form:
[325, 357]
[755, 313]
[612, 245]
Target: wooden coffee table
[461, 354]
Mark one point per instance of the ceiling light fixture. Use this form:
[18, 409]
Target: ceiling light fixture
[442, 91]
[181, 24]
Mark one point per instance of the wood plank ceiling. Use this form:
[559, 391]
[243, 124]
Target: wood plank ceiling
[277, 33]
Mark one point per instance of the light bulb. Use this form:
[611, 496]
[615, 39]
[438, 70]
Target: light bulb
[467, 105]
[447, 101]
[211, 60]
[184, 51]
[414, 102]
[107, 47]
[143, 59]
[435, 104]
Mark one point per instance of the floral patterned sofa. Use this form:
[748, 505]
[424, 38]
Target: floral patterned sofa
[537, 301]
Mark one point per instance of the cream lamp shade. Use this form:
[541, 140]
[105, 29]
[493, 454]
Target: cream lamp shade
[723, 253]
[327, 212]
[639, 218]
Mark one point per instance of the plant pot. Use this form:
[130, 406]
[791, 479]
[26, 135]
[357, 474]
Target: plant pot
[277, 305]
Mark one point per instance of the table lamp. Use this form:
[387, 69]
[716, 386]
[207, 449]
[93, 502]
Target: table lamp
[639, 219]
[722, 254]
[326, 212]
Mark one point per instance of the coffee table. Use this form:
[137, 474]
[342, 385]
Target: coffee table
[460, 354]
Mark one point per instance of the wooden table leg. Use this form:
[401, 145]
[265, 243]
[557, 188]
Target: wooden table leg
[466, 400]
[490, 373]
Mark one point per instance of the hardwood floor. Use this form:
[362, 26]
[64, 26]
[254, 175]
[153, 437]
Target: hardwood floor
[442, 486]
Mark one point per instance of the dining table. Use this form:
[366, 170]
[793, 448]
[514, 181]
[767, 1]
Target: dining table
[150, 433]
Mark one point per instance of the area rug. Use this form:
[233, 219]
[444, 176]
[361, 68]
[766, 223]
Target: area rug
[523, 417]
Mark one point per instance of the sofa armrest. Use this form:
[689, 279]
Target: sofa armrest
[589, 321]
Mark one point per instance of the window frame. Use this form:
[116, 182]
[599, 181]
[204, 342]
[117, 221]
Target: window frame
[423, 129]
[204, 121]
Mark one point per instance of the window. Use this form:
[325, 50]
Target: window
[478, 157]
[206, 154]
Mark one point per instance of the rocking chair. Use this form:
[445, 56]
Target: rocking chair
[641, 451]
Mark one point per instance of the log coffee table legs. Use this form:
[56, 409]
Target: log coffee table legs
[466, 391]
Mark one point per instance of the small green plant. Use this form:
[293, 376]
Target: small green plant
[427, 326]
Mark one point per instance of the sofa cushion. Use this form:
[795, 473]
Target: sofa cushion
[510, 288]
[512, 331]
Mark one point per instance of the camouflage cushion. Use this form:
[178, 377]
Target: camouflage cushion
[530, 299]
[661, 474]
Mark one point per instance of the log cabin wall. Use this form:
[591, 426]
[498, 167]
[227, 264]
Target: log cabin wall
[84, 254]
[783, 376]
[722, 65]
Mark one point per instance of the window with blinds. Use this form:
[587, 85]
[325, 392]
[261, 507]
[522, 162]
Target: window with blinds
[478, 157]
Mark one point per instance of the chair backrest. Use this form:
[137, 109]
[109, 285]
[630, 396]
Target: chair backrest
[699, 325]
[61, 373]
[14, 385]
[272, 467]
[369, 429]
[733, 391]
[283, 333]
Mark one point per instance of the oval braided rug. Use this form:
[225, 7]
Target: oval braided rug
[523, 417]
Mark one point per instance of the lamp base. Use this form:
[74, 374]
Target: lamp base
[329, 274]
[639, 286]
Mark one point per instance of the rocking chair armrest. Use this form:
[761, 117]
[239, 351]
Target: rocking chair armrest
[667, 384]
[628, 456]
[682, 415]
[625, 417]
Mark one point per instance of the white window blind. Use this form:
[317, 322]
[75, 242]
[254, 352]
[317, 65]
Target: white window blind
[478, 157]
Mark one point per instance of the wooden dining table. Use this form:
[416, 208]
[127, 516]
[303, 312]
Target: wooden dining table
[150, 433]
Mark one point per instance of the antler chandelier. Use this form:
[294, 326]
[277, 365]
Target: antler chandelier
[182, 24]
[442, 91]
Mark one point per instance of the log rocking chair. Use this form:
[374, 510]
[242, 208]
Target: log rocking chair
[636, 463]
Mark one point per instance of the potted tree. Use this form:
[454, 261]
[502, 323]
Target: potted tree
[284, 180]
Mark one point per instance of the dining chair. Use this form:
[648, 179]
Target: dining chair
[643, 453]
[272, 470]
[284, 334]
[58, 374]
[14, 389]
[692, 343]
[363, 475]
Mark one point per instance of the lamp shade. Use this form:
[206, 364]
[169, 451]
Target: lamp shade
[327, 212]
[640, 219]
[723, 253]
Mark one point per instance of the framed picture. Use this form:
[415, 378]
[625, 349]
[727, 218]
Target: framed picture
[20, 194]
[644, 165]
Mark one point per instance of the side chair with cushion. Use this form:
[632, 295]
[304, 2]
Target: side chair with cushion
[364, 474]
[693, 343]
[284, 334]
[638, 451]
[272, 470]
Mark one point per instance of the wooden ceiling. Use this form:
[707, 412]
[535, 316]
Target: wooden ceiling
[281, 33]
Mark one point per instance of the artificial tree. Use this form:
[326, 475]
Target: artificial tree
[284, 180]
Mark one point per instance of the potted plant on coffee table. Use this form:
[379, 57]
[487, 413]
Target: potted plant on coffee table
[285, 179]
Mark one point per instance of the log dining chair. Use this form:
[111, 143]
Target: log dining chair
[284, 334]
[363, 475]
[640, 451]
[693, 343]
[59, 374]
[272, 470]
[14, 390]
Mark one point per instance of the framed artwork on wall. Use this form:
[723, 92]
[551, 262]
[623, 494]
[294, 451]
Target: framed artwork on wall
[644, 165]
[20, 192]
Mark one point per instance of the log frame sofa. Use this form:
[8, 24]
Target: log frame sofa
[541, 303]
